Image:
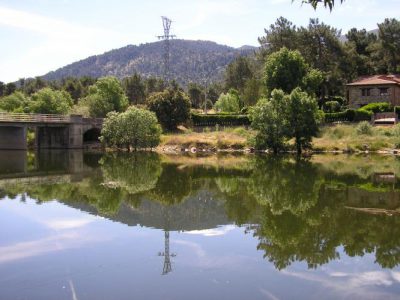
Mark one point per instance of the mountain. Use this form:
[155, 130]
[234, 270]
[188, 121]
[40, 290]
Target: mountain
[190, 61]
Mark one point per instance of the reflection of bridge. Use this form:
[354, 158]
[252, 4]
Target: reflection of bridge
[51, 131]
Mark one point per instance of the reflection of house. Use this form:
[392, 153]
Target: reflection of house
[377, 88]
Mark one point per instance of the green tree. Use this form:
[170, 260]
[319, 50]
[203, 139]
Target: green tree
[48, 101]
[389, 35]
[327, 3]
[137, 128]
[106, 95]
[33, 85]
[303, 118]
[284, 70]
[134, 89]
[74, 87]
[2, 88]
[10, 88]
[268, 117]
[229, 102]
[16, 102]
[172, 107]
[196, 95]
[281, 34]
[238, 73]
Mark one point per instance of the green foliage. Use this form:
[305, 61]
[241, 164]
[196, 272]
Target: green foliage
[135, 89]
[105, 96]
[303, 118]
[285, 70]
[362, 115]
[196, 95]
[377, 107]
[284, 117]
[349, 115]
[326, 3]
[331, 106]
[137, 128]
[172, 107]
[238, 73]
[269, 118]
[16, 102]
[221, 119]
[229, 102]
[389, 32]
[364, 128]
[48, 101]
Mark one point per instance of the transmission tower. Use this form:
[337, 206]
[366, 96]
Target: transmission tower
[166, 38]
[167, 256]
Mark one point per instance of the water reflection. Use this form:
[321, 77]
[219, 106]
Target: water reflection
[298, 210]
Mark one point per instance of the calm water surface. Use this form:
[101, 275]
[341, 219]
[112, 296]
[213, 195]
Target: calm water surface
[144, 226]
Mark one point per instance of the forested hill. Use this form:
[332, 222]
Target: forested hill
[191, 61]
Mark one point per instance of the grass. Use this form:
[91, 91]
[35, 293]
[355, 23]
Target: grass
[355, 137]
[226, 139]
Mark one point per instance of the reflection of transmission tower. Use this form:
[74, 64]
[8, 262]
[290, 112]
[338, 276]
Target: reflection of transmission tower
[167, 256]
[166, 37]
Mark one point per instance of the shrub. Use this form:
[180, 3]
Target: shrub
[172, 108]
[229, 102]
[48, 101]
[364, 128]
[221, 119]
[137, 128]
[331, 107]
[377, 107]
[362, 115]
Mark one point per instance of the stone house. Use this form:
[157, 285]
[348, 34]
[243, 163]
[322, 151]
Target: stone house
[377, 88]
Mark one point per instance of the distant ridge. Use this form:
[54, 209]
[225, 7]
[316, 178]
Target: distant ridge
[191, 61]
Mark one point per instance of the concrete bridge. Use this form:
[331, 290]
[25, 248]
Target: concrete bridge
[51, 131]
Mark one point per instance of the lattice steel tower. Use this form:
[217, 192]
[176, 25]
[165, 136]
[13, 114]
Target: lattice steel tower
[167, 255]
[166, 38]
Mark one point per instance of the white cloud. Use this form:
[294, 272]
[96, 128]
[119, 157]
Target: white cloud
[58, 43]
[212, 232]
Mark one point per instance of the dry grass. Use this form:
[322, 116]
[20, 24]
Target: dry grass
[346, 138]
[234, 139]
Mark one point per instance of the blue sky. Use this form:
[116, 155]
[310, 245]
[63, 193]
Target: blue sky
[37, 36]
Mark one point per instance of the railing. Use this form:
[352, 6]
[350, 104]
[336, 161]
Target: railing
[33, 118]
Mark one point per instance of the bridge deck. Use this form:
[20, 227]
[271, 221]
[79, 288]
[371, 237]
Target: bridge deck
[33, 118]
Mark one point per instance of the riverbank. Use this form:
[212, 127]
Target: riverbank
[342, 138]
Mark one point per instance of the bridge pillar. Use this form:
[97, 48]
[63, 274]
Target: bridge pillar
[75, 132]
[49, 137]
[13, 138]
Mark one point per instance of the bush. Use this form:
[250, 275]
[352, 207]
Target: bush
[172, 108]
[137, 128]
[229, 102]
[362, 115]
[48, 101]
[221, 119]
[331, 107]
[364, 128]
[377, 107]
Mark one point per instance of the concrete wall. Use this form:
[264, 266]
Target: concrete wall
[13, 137]
[356, 99]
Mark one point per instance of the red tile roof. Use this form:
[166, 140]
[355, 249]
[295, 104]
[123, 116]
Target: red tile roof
[377, 80]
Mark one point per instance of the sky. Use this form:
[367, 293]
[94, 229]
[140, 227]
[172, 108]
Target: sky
[38, 36]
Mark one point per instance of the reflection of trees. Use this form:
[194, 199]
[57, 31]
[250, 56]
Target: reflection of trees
[134, 173]
[173, 186]
[299, 214]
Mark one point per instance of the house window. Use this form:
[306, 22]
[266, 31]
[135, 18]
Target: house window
[365, 92]
[384, 91]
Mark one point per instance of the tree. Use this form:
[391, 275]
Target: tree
[10, 88]
[106, 95]
[134, 89]
[303, 118]
[195, 94]
[48, 101]
[238, 73]
[16, 102]
[283, 117]
[2, 88]
[326, 3]
[281, 34]
[137, 128]
[172, 107]
[74, 87]
[268, 117]
[33, 85]
[389, 35]
[284, 70]
[229, 102]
